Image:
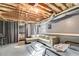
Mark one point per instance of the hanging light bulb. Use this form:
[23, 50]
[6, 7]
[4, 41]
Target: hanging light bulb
[36, 4]
[36, 9]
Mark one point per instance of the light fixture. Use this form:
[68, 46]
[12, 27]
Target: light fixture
[34, 9]
[36, 4]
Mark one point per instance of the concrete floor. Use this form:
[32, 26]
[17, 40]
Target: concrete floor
[13, 50]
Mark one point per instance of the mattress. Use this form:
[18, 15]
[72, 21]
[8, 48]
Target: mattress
[41, 48]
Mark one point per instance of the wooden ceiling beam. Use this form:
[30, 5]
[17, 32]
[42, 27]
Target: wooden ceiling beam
[6, 4]
[14, 9]
[42, 7]
[57, 6]
[45, 9]
[15, 13]
[64, 4]
[45, 5]
[3, 10]
[31, 4]
[69, 5]
[61, 6]
[39, 10]
[54, 9]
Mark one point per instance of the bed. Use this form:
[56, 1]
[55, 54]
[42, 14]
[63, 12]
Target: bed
[41, 48]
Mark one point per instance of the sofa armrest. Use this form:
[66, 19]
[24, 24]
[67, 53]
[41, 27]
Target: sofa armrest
[30, 39]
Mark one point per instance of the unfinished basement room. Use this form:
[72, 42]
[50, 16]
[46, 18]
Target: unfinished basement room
[39, 29]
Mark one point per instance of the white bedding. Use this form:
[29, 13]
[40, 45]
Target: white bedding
[72, 51]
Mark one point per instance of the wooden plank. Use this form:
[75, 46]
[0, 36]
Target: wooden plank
[64, 4]
[55, 9]
[61, 6]
[45, 5]
[57, 6]
[9, 4]
[45, 9]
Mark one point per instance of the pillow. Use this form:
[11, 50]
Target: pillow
[61, 47]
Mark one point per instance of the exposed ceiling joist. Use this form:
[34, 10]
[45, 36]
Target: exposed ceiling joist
[44, 5]
[12, 5]
[57, 6]
[32, 12]
[55, 9]
[64, 4]
[1, 10]
[6, 6]
[27, 6]
[61, 6]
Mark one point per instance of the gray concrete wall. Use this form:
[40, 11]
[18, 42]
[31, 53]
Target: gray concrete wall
[69, 25]
[69, 38]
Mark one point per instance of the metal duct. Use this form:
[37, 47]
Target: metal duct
[69, 13]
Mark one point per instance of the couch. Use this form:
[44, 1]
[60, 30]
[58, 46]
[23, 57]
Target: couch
[49, 39]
